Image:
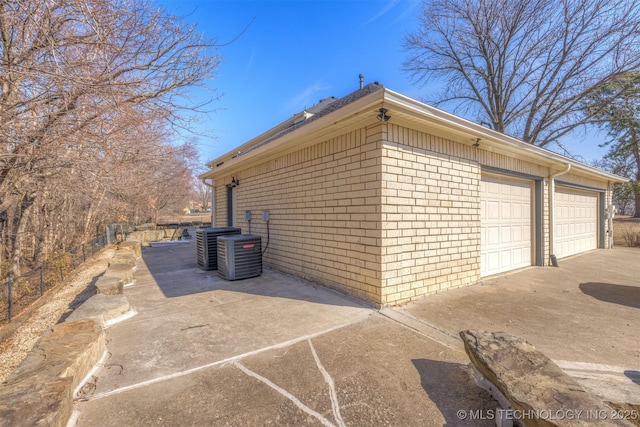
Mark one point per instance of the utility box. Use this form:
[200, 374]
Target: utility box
[239, 256]
[207, 245]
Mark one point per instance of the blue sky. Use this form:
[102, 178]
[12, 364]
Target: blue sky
[294, 53]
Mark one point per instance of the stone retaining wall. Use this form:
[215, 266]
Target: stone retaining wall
[147, 236]
[40, 391]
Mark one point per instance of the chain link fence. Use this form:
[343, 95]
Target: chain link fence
[19, 293]
[119, 231]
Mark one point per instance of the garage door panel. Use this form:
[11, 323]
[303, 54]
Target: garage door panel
[517, 210]
[576, 221]
[505, 218]
[505, 259]
[505, 235]
[493, 210]
[505, 210]
[493, 235]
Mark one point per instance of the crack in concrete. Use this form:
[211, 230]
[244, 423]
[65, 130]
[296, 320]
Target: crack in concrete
[285, 393]
[332, 388]
[222, 362]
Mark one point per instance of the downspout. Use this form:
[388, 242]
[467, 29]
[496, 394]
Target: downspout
[552, 216]
[213, 199]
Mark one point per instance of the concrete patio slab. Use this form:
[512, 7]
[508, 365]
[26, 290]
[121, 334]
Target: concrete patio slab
[272, 350]
[585, 315]
[277, 350]
[586, 310]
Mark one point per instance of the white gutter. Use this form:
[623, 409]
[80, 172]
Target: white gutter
[552, 216]
[418, 108]
[213, 199]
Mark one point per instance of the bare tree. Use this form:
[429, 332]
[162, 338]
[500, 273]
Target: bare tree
[617, 105]
[86, 86]
[523, 67]
[201, 191]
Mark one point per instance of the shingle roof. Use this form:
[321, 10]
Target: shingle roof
[320, 110]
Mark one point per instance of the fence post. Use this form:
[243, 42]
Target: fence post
[10, 303]
[41, 280]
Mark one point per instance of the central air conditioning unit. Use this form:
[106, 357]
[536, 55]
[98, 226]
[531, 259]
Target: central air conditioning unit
[239, 256]
[207, 245]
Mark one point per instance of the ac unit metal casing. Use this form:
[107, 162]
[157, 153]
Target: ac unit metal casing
[239, 256]
[207, 245]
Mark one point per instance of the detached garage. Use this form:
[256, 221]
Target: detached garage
[386, 198]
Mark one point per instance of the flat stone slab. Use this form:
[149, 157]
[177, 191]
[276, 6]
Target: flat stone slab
[40, 391]
[173, 233]
[120, 271]
[131, 245]
[127, 257]
[102, 309]
[109, 285]
[538, 390]
[147, 236]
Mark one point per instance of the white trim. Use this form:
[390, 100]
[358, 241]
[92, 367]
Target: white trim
[490, 139]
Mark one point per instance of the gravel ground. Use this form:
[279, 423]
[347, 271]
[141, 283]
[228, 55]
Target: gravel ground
[81, 286]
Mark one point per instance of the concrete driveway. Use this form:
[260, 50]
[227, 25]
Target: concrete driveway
[276, 350]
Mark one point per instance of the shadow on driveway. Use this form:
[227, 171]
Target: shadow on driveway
[618, 294]
[449, 386]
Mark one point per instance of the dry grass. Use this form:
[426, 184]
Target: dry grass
[626, 231]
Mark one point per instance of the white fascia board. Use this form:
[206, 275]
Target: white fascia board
[422, 110]
[389, 99]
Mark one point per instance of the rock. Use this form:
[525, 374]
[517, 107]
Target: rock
[534, 385]
[102, 309]
[146, 236]
[120, 271]
[123, 258]
[40, 391]
[131, 246]
[109, 285]
[173, 233]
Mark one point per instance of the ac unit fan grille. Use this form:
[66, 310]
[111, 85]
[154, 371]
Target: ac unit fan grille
[239, 256]
[207, 245]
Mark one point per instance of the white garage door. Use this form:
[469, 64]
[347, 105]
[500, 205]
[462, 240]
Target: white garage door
[505, 221]
[576, 218]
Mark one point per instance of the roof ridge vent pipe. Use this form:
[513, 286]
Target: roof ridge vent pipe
[552, 216]
[361, 77]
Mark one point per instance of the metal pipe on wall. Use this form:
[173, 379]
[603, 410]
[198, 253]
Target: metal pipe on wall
[552, 206]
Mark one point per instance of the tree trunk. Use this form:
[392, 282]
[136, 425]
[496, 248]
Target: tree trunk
[20, 234]
[636, 193]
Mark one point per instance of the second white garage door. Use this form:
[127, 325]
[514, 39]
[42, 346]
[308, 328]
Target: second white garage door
[576, 218]
[505, 223]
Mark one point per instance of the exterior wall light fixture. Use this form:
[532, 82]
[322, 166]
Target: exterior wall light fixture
[383, 116]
